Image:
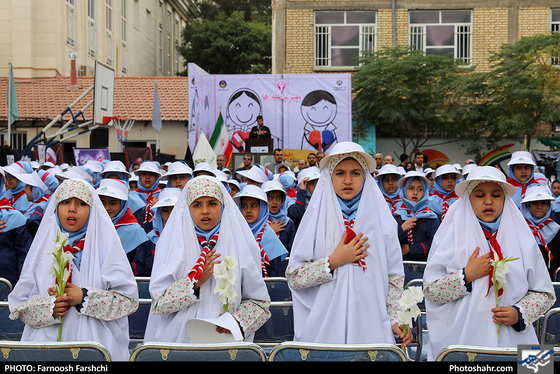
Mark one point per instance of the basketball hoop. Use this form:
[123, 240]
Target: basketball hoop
[122, 129]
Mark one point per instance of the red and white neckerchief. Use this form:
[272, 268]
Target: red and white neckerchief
[445, 205]
[496, 250]
[409, 237]
[127, 219]
[393, 203]
[522, 185]
[264, 257]
[75, 249]
[198, 268]
[537, 233]
[148, 214]
[13, 199]
[350, 234]
[5, 204]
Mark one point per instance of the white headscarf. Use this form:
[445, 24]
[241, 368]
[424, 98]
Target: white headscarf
[103, 265]
[352, 308]
[468, 320]
[177, 251]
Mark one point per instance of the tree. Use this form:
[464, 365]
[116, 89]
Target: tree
[403, 93]
[228, 45]
[523, 89]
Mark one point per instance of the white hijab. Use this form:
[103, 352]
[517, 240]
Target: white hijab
[352, 308]
[176, 253]
[104, 265]
[468, 320]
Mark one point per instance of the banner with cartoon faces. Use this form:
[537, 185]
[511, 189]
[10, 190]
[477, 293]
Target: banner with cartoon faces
[303, 111]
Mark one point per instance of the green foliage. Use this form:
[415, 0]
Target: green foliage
[228, 45]
[403, 93]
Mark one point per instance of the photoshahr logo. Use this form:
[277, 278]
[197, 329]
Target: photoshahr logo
[281, 85]
[535, 359]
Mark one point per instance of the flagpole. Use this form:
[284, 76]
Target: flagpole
[9, 112]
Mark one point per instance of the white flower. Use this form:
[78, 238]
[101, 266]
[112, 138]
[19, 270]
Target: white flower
[230, 262]
[417, 293]
[225, 281]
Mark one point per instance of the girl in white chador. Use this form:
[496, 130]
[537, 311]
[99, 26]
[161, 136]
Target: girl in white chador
[484, 225]
[345, 268]
[101, 292]
[205, 226]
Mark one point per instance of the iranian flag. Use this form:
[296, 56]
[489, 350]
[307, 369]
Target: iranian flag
[220, 141]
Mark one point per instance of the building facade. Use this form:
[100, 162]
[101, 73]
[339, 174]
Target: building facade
[313, 36]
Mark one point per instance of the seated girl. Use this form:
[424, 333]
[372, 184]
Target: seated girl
[461, 306]
[521, 174]
[536, 208]
[443, 195]
[205, 228]
[253, 204]
[387, 180]
[417, 223]
[341, 294]
[162, 210]
[101, 290]
[278, 218]
[138, 248]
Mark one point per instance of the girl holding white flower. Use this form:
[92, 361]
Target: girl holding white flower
[485, 282]
[101, 291]
[345, 268]
[205, 232]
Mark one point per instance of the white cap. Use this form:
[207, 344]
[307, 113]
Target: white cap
[95, 166]
[388, 169]
[203, 166]
[447, 169]
[14, 169]
[113, 188]
[255, 174]
[220, 175]
[81, 173]
[347, 147]
[522, 157]
[251, 191]
[537, 193]
[148, 166]
[413, 174]
[32, 179]
[312, 172]
[272, 186]
[167, 197]
[176, 168]
[468, 168]
[485, 174]
[114, 167]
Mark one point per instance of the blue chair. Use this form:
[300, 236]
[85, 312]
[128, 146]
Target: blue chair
[278, 289]
[299, 352]
[279, 327]
[9, 329]
[143, 284]
[137, 321]
[87, 351]
[413, 270]
[238, 351]
[550, 327]
[5, 289]
[468, 353]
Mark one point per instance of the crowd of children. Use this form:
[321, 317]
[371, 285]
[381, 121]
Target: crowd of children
[338, 232]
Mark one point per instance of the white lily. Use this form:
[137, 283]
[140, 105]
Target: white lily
[225, 281]
[408, 306]
[499, 272]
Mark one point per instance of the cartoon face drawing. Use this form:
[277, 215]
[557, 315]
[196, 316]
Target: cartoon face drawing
[319, 109]
[243, 108]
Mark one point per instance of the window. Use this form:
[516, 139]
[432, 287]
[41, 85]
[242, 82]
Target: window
[177, 32]
[148, 23]
[442, 32]
[160, 37]
[70, 24]
[123, 33]
[555, 27]
[341, 35]
[109, 30]
[92, 37]
[19, 140]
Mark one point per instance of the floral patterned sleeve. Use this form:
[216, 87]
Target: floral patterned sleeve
[535, 304]
[396, 284]
[176, 297]
[448, 288]
[309, 274]
[107, 305]
[252, 314]
[36, 312]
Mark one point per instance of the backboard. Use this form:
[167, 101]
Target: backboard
[103, 94]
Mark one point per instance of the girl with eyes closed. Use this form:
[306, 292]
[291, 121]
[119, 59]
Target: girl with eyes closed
[460, 303]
